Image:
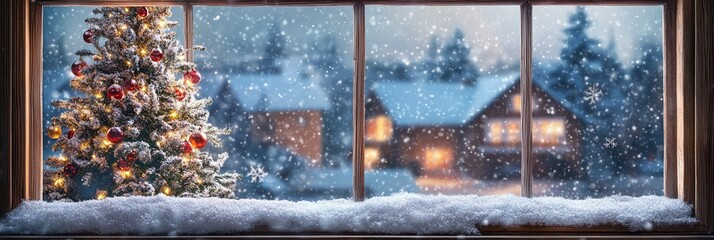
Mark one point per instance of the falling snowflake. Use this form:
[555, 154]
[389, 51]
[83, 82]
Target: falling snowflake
[593, 94]
[257, 174]
[610, 143]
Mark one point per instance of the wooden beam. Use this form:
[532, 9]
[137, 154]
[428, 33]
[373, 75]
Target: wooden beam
[347, 2]
[526, 90]
[358, 104]
[33, 126]
[704, 112]
[188, 30]
[6, 120]
[685, 100]
[670, 98]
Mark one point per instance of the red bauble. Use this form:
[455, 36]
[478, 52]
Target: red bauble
[156, 55]
[69, 170]
[77, 67]
[192, 76]
[142, 12]
[131, 85]
[123, 165]
[186, 147]
[131, 157]
[115, 91]
[115, 135]
[88, 35]
[70, 134]
[180, 94]
[198, 140]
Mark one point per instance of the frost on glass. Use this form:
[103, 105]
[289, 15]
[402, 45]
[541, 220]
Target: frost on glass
[598, 120]
[442, 104]
[281, 80]
[62, 30]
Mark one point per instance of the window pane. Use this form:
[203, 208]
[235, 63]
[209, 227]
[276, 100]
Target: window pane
[597, 121]
[62, 31]
[281, 80]
[440, 115]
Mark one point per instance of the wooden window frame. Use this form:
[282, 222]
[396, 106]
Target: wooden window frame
[688, 93]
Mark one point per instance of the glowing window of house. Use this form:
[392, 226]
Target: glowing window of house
[516, 103]
[513, 131]
[437, 158]
[548, 132]
[379, 129]
[371, 157]
[495, 132]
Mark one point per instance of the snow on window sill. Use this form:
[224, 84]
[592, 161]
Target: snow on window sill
[399, 214]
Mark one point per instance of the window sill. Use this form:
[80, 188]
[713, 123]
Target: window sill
[397, 214]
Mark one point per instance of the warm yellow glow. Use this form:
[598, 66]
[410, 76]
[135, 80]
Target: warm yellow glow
[106, 143]
[101, 194]
[146, 26]
[185, 160]
[199, 180]
[108, 109]
[143, 52]
[99, 95]
[143, 88]
[173, 114]
[125, 174]
[495, 132]
[513, 132]
[379, 129]
[126, 9]
[371, 157]
[166, 190]
[128, 63]
[58, 182]
[84, 146]
[548, 132]
[436, 158]
[62, 158]
[162, 24]
[516, 103]
[123, 27]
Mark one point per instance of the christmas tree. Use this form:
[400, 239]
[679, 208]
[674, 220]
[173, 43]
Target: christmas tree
[134, 129]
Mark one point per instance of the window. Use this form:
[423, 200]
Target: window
[549, 134]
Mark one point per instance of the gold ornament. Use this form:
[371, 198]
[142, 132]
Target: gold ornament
[173, 114]
[54, 132]
[166, 190]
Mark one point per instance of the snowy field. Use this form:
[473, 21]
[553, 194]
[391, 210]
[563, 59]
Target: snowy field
[398, 214]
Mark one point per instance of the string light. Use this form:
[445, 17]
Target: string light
[101, 194]
[199, 180]
[128, 63]
[162, 24]
[98, 95]
[166, 190]
[58, 182]
[62, 158]
[125, 174]
[106, 143]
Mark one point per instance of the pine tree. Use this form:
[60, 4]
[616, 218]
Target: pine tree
[456, 65]
[430, 66]
[133, 129]
[274, 49]
[645, 96]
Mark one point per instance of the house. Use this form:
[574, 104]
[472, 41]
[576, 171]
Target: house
[283, 109]
[450, 130]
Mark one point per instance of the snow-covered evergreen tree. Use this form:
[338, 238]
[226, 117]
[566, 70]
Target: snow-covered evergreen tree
[133, 129]
[456, 65]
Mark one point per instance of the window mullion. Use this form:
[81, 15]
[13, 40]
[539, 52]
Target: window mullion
[358, 107]
[188, 30]
[526, 89]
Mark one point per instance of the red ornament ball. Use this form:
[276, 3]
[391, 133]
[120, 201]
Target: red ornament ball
[70, 134]
[131, 157]
[123, 165]
[77, 67]
[198, 140]
[88, 35]
[69, 170]
[192, 76]
[115, 135]
[180, 94]
[142, 12]
[186, 147]
[131, 85]
[156, 55]
[115, 91]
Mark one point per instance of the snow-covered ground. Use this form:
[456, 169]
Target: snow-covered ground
[398, 214]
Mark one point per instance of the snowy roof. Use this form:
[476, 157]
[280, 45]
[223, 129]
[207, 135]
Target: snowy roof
[446, 104]
[292, 89]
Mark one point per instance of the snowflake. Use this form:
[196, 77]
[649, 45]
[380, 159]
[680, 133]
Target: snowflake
[593, 94]
[257, 174]
[610, 143]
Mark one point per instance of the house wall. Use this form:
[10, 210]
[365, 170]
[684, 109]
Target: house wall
[422, 140]
[481, 160]
[298, 131]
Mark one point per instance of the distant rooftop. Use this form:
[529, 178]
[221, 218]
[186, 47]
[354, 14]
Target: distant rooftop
[443, 104]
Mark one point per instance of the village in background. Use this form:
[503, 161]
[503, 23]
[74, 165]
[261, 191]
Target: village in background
[438, 123]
